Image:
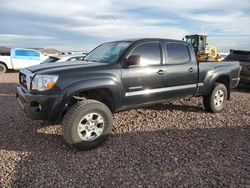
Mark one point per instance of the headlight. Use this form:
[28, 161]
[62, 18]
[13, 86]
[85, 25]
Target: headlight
[43, 82]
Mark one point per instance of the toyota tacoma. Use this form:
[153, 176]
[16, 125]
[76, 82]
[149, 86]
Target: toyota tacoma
[117, 76]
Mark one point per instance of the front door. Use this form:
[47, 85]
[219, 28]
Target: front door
[143, 83]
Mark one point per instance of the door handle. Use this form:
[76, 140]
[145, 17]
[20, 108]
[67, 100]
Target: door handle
[160, 72]
[191, 69]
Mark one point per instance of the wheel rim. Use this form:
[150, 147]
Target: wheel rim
[219, 98]
[90, 126]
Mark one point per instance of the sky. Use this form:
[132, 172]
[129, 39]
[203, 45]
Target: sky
[82, 25]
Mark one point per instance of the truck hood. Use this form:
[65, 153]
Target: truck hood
[64, 65]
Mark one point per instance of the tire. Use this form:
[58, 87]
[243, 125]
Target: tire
[87, 124]
[214, 102]
[3, 68]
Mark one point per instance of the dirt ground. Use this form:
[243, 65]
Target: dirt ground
[177, 144]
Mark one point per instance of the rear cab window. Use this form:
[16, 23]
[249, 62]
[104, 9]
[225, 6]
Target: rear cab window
[177, 53]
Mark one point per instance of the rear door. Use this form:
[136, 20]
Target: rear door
[22, 58]
[143, 83]
[181, 70]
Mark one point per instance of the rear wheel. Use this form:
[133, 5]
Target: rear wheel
[3, 68]
[87, 124]
[216, 100]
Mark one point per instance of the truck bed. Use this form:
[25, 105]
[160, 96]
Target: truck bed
[209, 70]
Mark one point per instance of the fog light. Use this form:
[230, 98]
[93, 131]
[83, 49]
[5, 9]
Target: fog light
[35, 107]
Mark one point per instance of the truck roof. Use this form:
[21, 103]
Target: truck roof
[146, 39]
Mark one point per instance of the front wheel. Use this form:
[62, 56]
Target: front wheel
[216, 100]
[87, 124]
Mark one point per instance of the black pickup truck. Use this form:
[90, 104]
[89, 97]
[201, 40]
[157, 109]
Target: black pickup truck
[244, 59]
[117, 76]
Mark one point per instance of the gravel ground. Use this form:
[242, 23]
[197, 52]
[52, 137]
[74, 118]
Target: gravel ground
[176, 144]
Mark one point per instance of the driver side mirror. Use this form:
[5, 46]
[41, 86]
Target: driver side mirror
[133, 60]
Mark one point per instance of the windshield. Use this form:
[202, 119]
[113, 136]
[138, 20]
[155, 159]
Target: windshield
[107, 52]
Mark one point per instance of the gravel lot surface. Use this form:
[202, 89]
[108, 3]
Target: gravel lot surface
[176, 144]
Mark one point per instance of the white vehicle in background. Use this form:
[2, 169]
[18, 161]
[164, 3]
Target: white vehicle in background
[63, 58]
[74, 57]
[20, 58]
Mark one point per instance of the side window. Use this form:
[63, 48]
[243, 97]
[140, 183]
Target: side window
[177, 53]
[33, 53]
[21, 53]
[149, 52]
[25, 54]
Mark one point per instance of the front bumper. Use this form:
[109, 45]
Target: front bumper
[39, 106]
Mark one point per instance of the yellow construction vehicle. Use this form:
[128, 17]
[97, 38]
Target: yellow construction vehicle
[203, 51]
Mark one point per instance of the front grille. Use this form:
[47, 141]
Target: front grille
[23, 79]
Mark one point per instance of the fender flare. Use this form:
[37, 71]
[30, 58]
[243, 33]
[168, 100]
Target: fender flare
[92, 84]
[210, 80]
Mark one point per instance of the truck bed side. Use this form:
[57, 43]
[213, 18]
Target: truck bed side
[211, 72]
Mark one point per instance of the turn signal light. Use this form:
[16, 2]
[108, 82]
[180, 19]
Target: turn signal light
[50, 84]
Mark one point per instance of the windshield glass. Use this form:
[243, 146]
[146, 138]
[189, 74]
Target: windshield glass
[107, 52]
